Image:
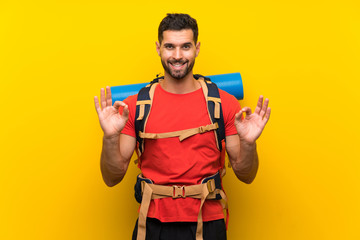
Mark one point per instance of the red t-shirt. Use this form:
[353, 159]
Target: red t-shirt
[171, 162]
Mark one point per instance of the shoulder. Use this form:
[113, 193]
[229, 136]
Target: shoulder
[129, 128]
[227, 99]
[230, 106]
[131, 100]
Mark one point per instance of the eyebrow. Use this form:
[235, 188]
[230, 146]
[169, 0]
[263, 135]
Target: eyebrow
[187, 43]
[171, 44]
[168, 44]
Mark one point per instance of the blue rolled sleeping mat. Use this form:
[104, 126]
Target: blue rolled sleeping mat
[229, 82]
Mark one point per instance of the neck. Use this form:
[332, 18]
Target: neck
[180, 86]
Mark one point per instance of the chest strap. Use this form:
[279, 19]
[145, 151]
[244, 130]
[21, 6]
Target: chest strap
[208, 189]
[182, 134]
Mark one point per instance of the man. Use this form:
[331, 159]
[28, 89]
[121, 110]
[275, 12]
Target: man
[178, 104]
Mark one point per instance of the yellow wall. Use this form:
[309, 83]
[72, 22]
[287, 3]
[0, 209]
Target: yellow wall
[303, 55]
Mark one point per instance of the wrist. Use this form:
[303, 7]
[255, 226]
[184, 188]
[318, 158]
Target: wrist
[247, 144]
[111, 138]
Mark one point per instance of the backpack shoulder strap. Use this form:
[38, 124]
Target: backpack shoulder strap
[212, 95]
[143, 107]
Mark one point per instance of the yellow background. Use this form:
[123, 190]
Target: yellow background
[56, 55]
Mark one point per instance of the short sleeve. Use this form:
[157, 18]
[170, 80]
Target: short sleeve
[230, 107]
[129, 128]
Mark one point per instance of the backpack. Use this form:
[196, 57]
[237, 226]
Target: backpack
[211, 93]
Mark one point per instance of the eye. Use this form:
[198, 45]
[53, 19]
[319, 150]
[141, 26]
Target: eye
[169, 46]
[186, 46]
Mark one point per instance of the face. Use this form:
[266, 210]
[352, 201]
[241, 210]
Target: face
[178, 52]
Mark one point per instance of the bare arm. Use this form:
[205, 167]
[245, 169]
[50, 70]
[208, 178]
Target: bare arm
[115, 157]
[117, 148]
[243, 158]
[241, 148]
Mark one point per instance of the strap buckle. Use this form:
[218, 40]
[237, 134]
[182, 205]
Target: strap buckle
[211, 185]
[178, 191]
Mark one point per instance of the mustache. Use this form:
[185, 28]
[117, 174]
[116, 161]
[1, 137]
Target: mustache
[181, 61]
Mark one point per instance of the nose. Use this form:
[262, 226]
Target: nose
[177, 54]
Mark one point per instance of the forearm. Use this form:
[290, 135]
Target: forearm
[241, 147]
[245, 165]
[113, 165]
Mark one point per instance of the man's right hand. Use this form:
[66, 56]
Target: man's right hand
[111, 122]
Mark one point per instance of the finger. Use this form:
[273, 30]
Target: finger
[264, 108]
[267, 115]
[102, 98]
[259, 105]
[119, 104]
[97, 106]
[108, 96]
[239, 116]
[247, 110]
[126, 112]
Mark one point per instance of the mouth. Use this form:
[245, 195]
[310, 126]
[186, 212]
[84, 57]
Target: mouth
[177, 65]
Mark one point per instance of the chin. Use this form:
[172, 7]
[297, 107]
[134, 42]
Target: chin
[178, 76]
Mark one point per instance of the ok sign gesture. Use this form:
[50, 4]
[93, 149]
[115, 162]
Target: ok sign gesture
[110, 119]
[251, 127]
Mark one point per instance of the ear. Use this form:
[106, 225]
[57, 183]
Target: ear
[157, 47]
[197, 49]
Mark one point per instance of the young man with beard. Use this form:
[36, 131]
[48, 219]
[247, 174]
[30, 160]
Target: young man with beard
[179, 104]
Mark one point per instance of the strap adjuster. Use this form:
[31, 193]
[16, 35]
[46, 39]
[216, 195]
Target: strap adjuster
[211, 185]
[178, 191]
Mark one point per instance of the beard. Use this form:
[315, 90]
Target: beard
[178, 74]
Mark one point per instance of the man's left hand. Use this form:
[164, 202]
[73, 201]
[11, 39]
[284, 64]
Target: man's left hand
[251, 127]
